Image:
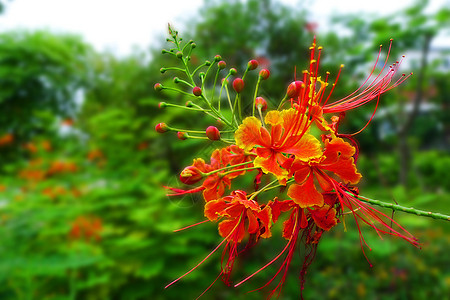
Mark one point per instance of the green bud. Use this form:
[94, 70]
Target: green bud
[163, 70]
[207, 63]
[176, 80]
[233, 71]
[179, 54]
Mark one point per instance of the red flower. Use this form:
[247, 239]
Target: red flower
[218, 173]
[336, 159]
[237, 210]
[242, 216]
[288, 135]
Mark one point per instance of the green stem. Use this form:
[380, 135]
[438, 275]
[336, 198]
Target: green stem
[256, 93]
[261, 117]
[186, 130]
[227, 167]
[178, 91]
[409, 210]
[185, 82]
[185, 107]
[265, 188]
[216, 113]
[175, 69]
[239, 170]
[282, 102]
[214, 89]
[233, 116]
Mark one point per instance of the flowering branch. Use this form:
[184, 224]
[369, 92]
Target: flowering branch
[409, 210]
[297, 146]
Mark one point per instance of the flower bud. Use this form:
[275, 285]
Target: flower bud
[191, 175]
[158, 87]
[260, 103]
[202, 75]
[163, 70]
[217, 58]
[264, 74]
[197, 91]
[193, 45]
[179, 54]
[238, 85]
[253, 64]
[294, 89]
[233, 71]
[207, 63]
[221, 64]
[161, 128]
[176, 80]
[182, 135]
[162, 105]
[213, 133]
[189, 104]
[224, 81]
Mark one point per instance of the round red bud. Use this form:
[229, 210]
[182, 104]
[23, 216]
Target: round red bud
[217, 58]
[213, 133]
[197, 91]
[161, 127]
[238, 85]
[191, 175]
[162, 105]
[158, 87]
[253, 64]
[294, 89]
[264, 74]
[182, 135]
[221, 64]
[260, 103]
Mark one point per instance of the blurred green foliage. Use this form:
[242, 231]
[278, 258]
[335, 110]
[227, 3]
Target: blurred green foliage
[106, 163]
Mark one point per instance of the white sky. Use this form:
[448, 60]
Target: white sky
[119, 25]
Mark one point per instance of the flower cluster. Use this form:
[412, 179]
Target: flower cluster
[295, 148]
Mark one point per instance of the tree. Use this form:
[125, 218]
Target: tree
[40, 77]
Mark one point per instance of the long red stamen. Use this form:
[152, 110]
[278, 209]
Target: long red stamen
[177, 230]
[376, 87]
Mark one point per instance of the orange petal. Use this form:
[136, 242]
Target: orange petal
[306, 194]
[338, 148]
[324, 217]
[302, 171]
[250, 133]
[345, 169]
[233, 229]
[214, 209]
[253, 224]
[270, 165]
[273, 118]
[277, 207]
[265, 216]
[288, 226]
[306, 148]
